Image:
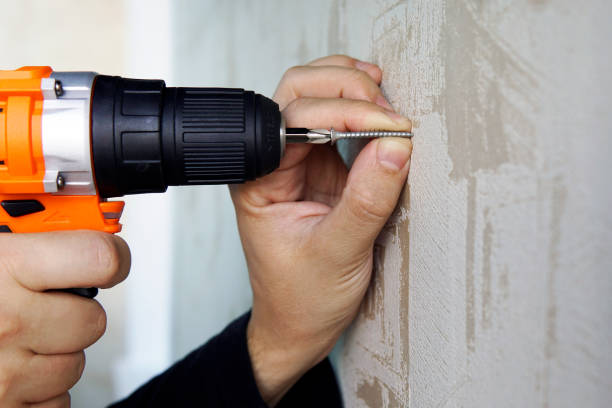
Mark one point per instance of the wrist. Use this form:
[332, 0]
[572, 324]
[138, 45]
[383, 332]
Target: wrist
[279, 360]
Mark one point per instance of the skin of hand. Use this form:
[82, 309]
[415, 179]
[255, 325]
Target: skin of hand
[308, 228]
[43, 332]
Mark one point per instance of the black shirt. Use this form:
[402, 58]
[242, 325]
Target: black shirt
[219, 374]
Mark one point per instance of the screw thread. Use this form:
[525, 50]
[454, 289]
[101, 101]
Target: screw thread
[370, 134]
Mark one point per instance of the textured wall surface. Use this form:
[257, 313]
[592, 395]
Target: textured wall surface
[494, 277]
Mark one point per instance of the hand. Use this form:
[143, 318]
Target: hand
[43, 334]
[308, 229]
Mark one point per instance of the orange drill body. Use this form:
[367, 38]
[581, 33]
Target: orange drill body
[28, 203]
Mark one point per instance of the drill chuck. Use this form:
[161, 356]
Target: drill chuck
[146, 136]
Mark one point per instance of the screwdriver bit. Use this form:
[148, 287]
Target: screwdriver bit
[320, 136]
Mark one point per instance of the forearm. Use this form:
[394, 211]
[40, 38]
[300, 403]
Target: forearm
[220, 374]
[278, 363]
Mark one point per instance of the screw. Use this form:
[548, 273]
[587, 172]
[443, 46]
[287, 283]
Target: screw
[59, 90]
[61, 182]
[370, 134]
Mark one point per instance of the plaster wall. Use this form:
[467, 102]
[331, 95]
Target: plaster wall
[493, 278]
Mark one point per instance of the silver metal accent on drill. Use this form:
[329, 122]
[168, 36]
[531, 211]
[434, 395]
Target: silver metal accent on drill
[66, 135]
[302, 135]
[47, 86]
[318, 136]
[283, 136]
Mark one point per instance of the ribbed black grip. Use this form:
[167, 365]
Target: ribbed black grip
[146, 137]
[210, 111]
[210, 128]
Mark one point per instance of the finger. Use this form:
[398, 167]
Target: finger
[46, 377]
[61, 401]
[372, 70]
[67, 323]
[325, 176]
[342, 114]
[370, 196]
[328, 82]
[66, 259]
[319, 178]
[284, 184]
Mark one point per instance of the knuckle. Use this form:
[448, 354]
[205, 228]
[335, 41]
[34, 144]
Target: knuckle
[356, 113]
[358, 75]
[343, 59]
[250, 204]
[291, 73]
[362, 83]
[105, 255]
[295, 106]
[365, 205]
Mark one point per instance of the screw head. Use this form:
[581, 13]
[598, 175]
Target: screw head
[61, 182]
[59, 90]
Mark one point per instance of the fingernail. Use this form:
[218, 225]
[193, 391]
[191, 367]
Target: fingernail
[383, 102]
[393, 154]
[364, 66]
[399, 119]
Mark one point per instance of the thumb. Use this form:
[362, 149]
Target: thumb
[373, 187]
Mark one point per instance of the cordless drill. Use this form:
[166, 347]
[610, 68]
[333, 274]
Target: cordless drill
[71, 140]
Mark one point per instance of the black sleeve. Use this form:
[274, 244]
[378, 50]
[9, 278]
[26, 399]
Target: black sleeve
[219, 374]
